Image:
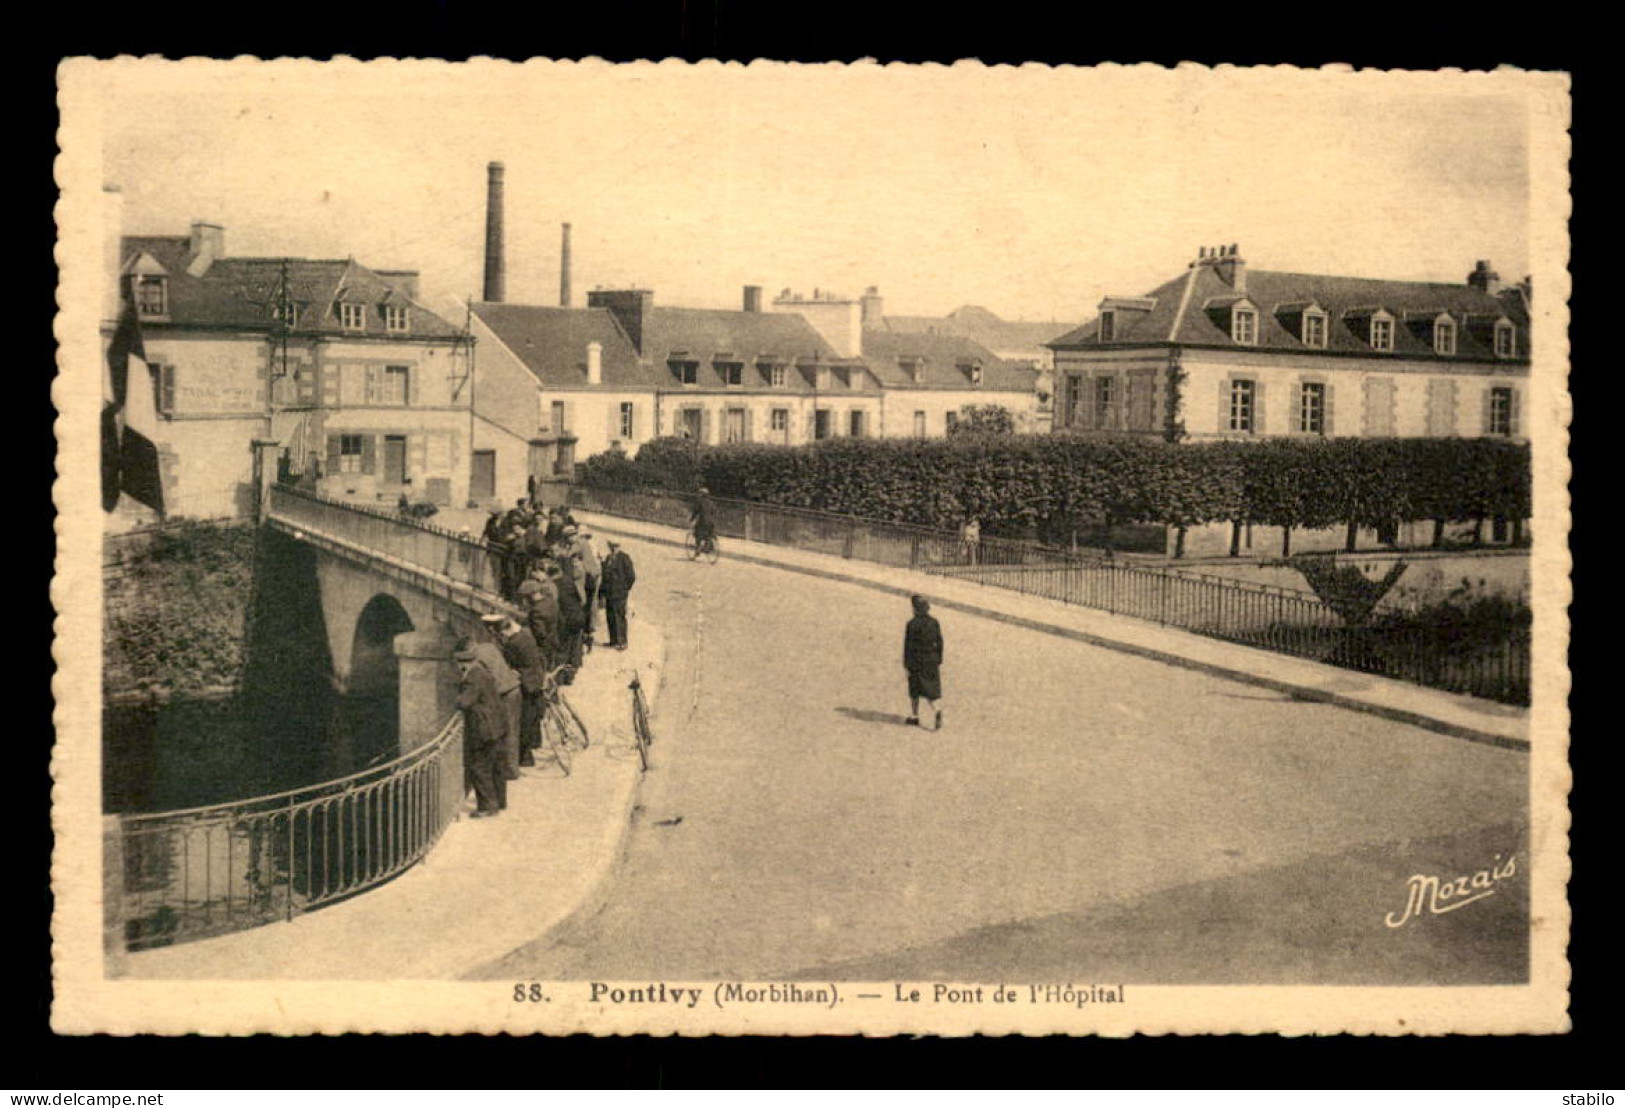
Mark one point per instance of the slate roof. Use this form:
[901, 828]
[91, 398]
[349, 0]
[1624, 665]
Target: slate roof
[552, 344]
[712, 335]
[1204, 320]
[884, 351]
[236, 293]
[980, 325]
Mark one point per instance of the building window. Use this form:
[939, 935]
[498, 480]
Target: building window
[687, 373]
[855, 423]
[286, 313]
[973, 371]
[1108, 326]
[624, 426]
[733, 425]
[1105, 403]
[1504, 344]
[951, 421]
[919, 425]
[394, 385]
[779, 421]
[1314, 329]
[821, 424]
[352, 317]
[1500, 411]
[1312, 408]
[151, 296]
[1244, 326]
[557, 420]
[349, 453]
[773, 374]
[1242, 406]
[166, 388]
[732, 373]
[394, 317]
[1073, 408]
[1382, 334]
[1444, 337]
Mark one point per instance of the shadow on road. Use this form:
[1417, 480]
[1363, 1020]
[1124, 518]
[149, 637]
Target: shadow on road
[865, 715]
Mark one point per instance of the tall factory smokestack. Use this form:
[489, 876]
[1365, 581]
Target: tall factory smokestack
[564, 269]
[495, 271]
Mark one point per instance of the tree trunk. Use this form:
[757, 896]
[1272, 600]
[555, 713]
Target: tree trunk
[1478, 531]
[1352, 539]
[1286, 542]
[1235, 538]
[1438, 533]
[1517, 532]
[1179, 543]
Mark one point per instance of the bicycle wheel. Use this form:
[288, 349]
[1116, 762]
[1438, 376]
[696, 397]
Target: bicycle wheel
[712, 550]
[640, 727]
[575, 731]
[553, 734]
[691, 544]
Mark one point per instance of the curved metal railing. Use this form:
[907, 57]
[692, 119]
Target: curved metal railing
[195, 873]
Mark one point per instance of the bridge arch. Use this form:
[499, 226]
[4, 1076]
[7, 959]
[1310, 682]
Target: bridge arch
[370, 717]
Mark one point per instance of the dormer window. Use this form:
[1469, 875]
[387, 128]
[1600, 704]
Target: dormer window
[1444, 336]
[973, 371]
[286, 313]
[1382, 334]
[152, 297]
[685, 370]
[914, 367]
[855, 378]
[1244, 326]
[1108, 325]
[395, 318]
[732, 373]
[1505, 339]
[352, 317]
[1314, 329]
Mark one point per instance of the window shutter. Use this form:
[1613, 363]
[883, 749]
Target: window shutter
[334, 445]
[705, 426]
[632, 431]
[1513, 415]
[417, 460]
[411, 385]
[1225, 385]
[1328, 424]
[614, 410]
[750, 417]
[1259, 425]
[166, 388]
[369, 454]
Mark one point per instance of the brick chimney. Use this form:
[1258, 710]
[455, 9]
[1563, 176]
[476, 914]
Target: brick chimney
[595, 363]
[630, 307]
[495, 269]
[1484, 279]
[207, 246]
[753, 298]
[564, 269]
[873, 306]
[1231, 269]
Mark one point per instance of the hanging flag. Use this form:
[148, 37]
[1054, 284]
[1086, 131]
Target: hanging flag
[130, 419]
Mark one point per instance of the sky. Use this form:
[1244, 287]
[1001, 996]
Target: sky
[1030, 191]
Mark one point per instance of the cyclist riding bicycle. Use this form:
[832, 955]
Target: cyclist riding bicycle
[705, 531]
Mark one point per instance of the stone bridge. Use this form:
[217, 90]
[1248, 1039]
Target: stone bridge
[395, 596]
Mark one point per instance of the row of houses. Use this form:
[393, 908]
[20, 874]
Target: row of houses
[370, 393]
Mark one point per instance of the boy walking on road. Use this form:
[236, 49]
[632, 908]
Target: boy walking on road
[922, 658]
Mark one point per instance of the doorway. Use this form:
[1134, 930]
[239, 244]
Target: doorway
[394, 459]
[482, 479]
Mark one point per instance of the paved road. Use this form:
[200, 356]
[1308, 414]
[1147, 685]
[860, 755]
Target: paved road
[1084, 815]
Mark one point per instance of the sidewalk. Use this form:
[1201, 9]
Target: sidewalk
[488, 887]
[1465, 717]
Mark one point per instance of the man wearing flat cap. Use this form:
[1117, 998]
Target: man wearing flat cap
[485, 725]
[520, 651]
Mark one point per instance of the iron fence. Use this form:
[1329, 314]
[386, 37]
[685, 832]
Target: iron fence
[1282, 620]
[200, 872]
[453, 557]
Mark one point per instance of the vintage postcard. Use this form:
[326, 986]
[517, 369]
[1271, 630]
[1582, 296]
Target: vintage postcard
[788, 549]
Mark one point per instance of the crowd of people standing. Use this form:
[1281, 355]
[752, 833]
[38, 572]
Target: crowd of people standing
[558, 577]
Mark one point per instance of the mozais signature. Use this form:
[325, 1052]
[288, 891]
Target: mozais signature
[1429, 894]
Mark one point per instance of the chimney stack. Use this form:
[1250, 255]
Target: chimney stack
[872, 307]
[1230, 267]
[207, 246]
[630, 307]
[495, 270]
[753, 298]
[564, 269]
[1484, 279]
[595, 362]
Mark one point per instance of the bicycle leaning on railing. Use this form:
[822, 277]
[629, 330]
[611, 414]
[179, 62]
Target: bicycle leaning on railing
[641, 735]
[563, 733]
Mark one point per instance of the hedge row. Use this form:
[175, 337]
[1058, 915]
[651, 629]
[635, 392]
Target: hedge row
[1048, 485]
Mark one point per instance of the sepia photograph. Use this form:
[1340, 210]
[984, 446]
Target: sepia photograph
[784, 549]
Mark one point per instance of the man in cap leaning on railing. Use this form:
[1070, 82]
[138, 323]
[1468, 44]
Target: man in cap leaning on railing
[485, 725]
[524, 657]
